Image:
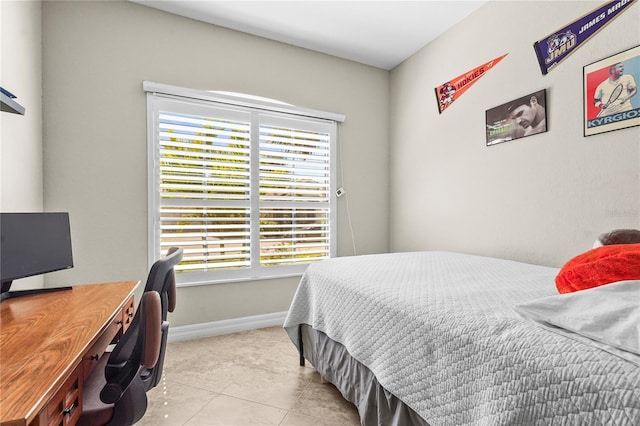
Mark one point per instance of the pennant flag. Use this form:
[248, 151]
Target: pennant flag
[557, 46]
[450, 91]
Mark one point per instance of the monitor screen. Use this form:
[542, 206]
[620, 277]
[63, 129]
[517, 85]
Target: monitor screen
[34, 243]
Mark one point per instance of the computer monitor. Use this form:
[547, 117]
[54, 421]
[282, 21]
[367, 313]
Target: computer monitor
[33, 244]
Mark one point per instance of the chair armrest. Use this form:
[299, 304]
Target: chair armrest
[117, 385]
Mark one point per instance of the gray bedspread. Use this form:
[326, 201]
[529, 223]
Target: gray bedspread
[439, 331]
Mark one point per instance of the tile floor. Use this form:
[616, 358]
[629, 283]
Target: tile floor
[243, 379]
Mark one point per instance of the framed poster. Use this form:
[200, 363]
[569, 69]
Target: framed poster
[518, 118]
[610, 95]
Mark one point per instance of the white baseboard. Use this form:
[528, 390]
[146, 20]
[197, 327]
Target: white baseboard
[215, 328]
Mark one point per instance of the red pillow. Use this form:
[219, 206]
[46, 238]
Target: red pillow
[599, 266]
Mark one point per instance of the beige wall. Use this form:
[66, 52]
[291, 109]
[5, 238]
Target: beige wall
[541, 199]
[95, 57]
[21, 135]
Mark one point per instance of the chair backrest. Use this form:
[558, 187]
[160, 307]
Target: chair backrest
[114, 393]
[162, 278]
[138, 348]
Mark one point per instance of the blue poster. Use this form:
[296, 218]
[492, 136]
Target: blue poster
[554, 48]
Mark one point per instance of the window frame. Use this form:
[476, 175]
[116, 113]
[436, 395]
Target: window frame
[196, 102]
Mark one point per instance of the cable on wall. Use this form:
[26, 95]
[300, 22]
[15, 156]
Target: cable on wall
[342, 193]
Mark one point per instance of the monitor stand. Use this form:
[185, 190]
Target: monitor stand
[6, 294]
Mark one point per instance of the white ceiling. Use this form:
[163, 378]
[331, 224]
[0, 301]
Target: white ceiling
[377, 33]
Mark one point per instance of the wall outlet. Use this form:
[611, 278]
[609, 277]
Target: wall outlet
[340, 192]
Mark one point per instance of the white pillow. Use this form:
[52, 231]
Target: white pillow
[607, 316]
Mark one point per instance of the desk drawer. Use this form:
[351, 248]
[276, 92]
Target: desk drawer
[93, 355]
[112, 334]
[65, 407]
[128, 313]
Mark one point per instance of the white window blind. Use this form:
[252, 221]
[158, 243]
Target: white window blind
[295, 193]
[247, 193]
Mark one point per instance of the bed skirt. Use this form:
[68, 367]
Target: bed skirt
[357, 383]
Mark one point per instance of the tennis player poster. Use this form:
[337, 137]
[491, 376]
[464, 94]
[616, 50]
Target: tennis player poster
[518, 118]
[611, 99]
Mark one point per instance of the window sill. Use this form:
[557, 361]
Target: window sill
[237, 280]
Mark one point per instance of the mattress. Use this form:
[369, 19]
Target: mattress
[439, 332]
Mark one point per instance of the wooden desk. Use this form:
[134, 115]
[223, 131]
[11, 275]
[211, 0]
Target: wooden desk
[49, 344]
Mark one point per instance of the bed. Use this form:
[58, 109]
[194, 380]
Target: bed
[445, 338]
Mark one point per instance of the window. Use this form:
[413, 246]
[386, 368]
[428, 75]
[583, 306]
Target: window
[246, 188]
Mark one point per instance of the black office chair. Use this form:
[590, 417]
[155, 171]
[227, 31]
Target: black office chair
[114, 393]
[162, 278]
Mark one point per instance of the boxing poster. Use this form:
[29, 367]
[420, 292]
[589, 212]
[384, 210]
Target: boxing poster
[611, 99]
[557, 46]
[450, 91]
